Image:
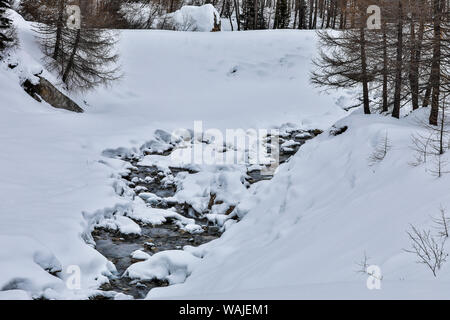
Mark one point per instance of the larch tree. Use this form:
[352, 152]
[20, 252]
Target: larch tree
[344, 60]
[6, 28]
[83, 57]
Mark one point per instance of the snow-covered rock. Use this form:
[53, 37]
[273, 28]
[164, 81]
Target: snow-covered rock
[305, 233]
[196, 18]
[173, 266]
[140, 255]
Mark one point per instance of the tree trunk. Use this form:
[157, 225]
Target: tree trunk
[417, 57]
[72, 57]
[238, 18]
[413, 66]
[59, 27]
[364, 71]
[399, 63]
[385, 68]
[436, 63]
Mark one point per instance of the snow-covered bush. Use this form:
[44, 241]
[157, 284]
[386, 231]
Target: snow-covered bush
[192, 18]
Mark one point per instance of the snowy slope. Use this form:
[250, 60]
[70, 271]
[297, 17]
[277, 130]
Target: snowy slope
[53, 178]
[303, 233]
[310, 227]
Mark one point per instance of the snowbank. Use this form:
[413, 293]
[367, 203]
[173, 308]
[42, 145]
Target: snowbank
[55, 181]
[305, 234]
[192, 18]
[173, 266]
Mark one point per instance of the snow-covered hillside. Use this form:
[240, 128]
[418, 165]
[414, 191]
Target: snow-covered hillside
[303, 233]
[308, 230]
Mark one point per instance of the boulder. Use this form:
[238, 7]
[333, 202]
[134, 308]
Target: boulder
[46, 91]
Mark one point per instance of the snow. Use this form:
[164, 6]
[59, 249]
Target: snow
[173, 266]
[187, 18]
[14, 295]
[302, 234]
[122, 224]
[195, 18]
[140, 255]
[196, 189]
[141, 212]
[305, 240]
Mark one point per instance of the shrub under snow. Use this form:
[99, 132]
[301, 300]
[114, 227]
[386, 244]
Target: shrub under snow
[192, 18]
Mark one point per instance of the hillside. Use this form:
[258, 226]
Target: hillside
[301, 235]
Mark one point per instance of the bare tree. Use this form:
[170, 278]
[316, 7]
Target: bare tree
[6, 29]
[434, 142]
[442, 223]
[420, 145]
[82, 58]
[363, 264]
[436, 65]
[363, 268]
[345, 59]
[399, 61]
[428, 248]
[380, 151]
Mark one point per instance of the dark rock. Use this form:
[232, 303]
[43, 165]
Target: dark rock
[230, 210]
[213, 230]
[315, 132]
[337, 131]
[217, 25]
[46, 91]
[212, 200]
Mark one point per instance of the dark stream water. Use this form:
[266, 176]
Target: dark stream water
[117, 248]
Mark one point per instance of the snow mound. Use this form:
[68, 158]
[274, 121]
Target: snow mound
[173, 266]
[154, 216]
[122, 224]
[193, 18]
[140, 255]
[305, 233]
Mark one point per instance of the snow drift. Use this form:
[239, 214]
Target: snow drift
[192, 18]
[302, 234]
[305, 233]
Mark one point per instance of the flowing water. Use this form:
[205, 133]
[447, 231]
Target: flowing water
[117, 247]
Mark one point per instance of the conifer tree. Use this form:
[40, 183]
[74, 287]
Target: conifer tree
[6, 29]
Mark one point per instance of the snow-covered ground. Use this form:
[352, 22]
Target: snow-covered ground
[308, 229]
[302, 233]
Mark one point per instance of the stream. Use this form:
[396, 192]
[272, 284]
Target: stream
[118, 248]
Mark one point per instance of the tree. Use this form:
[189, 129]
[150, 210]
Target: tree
[90, 59]
[406, 61]
[83, 58]
[253, 14]
[435, 78]
[435, 142]
[344, 60]
[6, 29]
[282, 15]
[429, 249]
[380, 151]
[399, 61]
[51, 27]
[442, 223]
